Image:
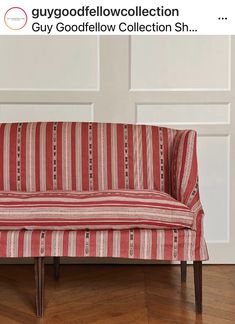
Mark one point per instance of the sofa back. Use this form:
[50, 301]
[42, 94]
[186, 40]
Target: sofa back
[84, 156]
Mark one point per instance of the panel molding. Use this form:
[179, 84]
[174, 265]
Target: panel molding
[183, 89]
[163, 114]
[54, 89]
[55, 112]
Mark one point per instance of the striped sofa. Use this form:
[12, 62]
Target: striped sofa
[100, 190]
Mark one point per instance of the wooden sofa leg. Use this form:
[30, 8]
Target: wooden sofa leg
[56, 267]
[39, 283]
[197, 267]
[183, 267]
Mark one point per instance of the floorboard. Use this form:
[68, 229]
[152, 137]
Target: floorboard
[114, 294]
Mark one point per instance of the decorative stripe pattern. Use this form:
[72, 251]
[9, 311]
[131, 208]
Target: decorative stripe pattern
[86, 157]
[43, 156]
[126, 171]
[18, 157]
[30, 157]
[90, 168]
[161, 159]
[185, 173]
[136, 244]
[111, 209]
[54, 147]
[126, 154]
[6, 158]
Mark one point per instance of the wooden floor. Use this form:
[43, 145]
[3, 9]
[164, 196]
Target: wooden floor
[109, 294]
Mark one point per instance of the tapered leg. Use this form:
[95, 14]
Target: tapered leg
[56, 267]
[197, 267]
[183, 267]
[39, 283]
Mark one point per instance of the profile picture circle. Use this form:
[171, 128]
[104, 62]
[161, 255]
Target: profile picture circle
[15, 18]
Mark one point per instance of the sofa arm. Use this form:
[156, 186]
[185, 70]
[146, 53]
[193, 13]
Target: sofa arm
[184, 170]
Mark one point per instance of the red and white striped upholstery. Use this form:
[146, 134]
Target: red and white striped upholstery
[84, 156]
[183, 244]
[81, 159]
[110, 209]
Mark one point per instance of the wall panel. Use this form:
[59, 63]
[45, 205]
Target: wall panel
[172, 62]
[40, 112]
[214, 177]
[173, 114]
[49, 63]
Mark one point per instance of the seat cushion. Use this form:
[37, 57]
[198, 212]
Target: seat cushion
[110, 209]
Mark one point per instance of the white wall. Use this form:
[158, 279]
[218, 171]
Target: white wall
[182, 82]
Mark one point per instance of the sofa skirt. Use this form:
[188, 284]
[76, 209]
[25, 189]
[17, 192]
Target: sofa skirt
[142, 244]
